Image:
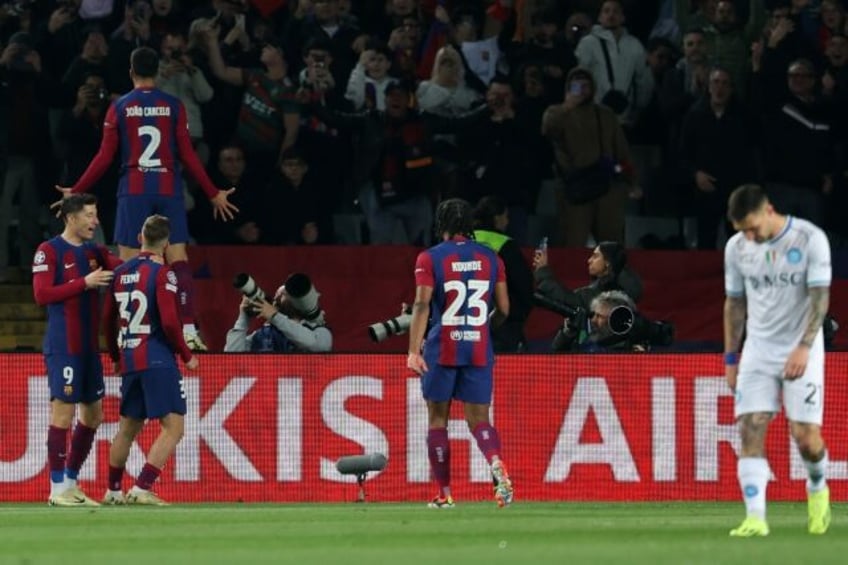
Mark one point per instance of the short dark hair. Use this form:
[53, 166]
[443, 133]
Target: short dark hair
[455, 217]
[144, 62]
[744, 200]
[156, 230]
[487, 208]
[75, 203]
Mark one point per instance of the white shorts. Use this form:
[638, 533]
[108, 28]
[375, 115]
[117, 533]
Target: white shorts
[760, 384]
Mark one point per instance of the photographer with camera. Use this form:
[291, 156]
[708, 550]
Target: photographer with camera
[293, 320]
[607, 327]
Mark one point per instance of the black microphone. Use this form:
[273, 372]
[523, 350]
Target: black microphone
[361, 464]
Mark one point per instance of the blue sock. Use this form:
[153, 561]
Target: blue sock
[72, 474]
[57, 477]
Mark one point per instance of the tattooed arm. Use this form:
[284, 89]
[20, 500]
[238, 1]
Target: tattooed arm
[735, 312]
[796, 364]
[819, 303]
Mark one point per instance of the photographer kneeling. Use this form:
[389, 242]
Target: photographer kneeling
[294, 322]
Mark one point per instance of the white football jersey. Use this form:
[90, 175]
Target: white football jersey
[774, 277]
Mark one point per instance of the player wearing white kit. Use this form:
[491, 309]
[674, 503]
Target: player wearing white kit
[777, 279]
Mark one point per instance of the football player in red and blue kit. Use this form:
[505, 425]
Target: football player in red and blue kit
[68, 271]
[150, 128]
[456, 284]
[143, 332]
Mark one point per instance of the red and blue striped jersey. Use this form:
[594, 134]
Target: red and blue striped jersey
[462, 274]
[143, 328]
[58, 281]
[151, 129]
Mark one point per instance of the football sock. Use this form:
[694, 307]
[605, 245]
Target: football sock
[185, 286]
[816, 471]
[116, 476]
[488, 441]
[57, 444]
[147, 477]
[81, 441]
[753, 474]
[438, 451]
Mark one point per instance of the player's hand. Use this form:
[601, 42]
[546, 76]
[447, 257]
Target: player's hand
[192, 363]
[796, 365]
[66, 193]
[116, 368]
[221, 206]
[730, 374]
[98, 278]
[416, 363]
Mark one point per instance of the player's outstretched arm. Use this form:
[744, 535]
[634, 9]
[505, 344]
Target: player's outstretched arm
[221, 206]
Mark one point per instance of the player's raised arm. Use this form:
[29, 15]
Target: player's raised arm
[43, 274]
[221, 206]
[101, 161]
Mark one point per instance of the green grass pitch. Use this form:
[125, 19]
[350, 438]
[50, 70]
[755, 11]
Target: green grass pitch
[408, 534]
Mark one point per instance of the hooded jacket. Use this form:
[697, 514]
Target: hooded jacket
[629, 67]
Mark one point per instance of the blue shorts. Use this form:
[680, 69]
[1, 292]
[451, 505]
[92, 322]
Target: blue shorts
[75, 378]
[467, 383]
[133, 210]
[153, 393]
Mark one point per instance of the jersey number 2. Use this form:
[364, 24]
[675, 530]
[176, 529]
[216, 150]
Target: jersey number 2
[471, 292]
[148, 158]
[133, 307]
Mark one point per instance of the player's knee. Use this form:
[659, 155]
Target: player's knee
[92, 420]
[809, 442]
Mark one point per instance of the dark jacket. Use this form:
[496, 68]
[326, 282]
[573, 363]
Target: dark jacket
[721, 146]
[401, 149]
[519, 283]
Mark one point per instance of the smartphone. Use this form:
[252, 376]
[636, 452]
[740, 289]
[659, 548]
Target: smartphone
[575, 88]
[543, 244]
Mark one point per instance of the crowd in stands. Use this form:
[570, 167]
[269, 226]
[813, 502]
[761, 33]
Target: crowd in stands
[313, 108]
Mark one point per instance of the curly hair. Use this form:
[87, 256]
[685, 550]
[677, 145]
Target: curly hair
[456, 217]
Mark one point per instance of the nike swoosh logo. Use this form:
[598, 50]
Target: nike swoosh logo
[99, 392]
[67, 266]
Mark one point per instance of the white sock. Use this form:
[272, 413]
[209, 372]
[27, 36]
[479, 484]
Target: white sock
[57, 488]
[753, 474]
[70, 483]
[137, 489]
[816, 471]
[115, 492]
[189, 329]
